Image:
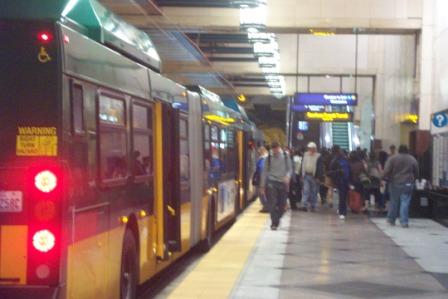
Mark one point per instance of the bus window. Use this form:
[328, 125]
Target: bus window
[184, 152]
[142, 140]
[231, 151]
[223, 149]
[207, 154]
[77, 109]
[112, 128]
[214, 133]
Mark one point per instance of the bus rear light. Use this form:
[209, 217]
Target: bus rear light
[44, 37]
[44, 240]
[45, 181]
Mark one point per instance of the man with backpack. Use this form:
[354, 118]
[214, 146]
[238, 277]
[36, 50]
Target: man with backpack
[274, 182]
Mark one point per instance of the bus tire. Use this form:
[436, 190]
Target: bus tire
[129, 265]
[207, 243]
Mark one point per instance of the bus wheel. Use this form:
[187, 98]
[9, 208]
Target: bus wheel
[208, 242]
[128, 273]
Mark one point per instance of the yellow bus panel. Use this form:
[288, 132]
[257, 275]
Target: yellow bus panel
[13, 253]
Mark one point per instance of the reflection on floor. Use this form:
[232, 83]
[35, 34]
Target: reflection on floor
[316, 255]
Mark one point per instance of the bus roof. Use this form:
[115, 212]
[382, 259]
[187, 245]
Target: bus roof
[91, 19]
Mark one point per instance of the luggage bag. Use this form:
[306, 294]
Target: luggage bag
[354, 201]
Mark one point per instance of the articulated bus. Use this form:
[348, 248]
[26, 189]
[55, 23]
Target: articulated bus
[109, 172]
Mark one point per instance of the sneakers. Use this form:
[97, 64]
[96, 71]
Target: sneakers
[405, 225]
[274, 227]
[390, 222]
[342, 217]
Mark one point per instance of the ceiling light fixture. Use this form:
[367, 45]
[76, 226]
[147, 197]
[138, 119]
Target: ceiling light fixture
[246, 3]
[319, 32]
[253, 19]
[260, 37]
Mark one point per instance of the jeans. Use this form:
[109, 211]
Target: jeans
[379, 201]
[400, 199]
[310, 189]
[343, 193]
[276, 198]
[295, 192]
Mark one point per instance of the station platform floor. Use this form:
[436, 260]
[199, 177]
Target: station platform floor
[317, 255]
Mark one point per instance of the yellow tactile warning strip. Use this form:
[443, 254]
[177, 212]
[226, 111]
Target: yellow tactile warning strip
[218, 271]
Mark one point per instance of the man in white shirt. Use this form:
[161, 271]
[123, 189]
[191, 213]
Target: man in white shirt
[312, 171]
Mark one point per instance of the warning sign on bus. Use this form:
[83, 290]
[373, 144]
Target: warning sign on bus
[37, 141]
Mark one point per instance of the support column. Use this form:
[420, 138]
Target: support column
[427, 63]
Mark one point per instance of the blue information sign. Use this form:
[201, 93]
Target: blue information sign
[305, 108]
[326, 99]
[440, 120]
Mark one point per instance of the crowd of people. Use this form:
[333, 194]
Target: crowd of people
[302, 176]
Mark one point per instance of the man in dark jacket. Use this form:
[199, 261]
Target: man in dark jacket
[401, 171]
[339, 172]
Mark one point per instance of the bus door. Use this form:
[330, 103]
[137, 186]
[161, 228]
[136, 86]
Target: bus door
[168, 209]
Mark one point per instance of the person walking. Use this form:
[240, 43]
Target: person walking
[262, 154]
[401, 171]
[295, 189]
[375, 171]
[359, 176]
[339, 172]
[323, 188]
[312, 172]
[274, 182]
[392, 150]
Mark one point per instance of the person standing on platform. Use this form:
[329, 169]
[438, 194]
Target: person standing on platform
[374, 170]
[339, 172]
[295, 190]
[392, 150]
[401, 171]
[274, 182]
[323, 188]
[262, 154]
[312, 172]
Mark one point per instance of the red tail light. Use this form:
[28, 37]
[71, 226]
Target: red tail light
[44, 240]
[44, 37]
[45, 181]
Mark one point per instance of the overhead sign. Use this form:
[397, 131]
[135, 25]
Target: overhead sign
[440, 119]
[329, 116]
[304, 108]
[326, 99]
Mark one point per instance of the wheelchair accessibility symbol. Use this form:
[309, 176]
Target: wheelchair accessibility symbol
[43, 55]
